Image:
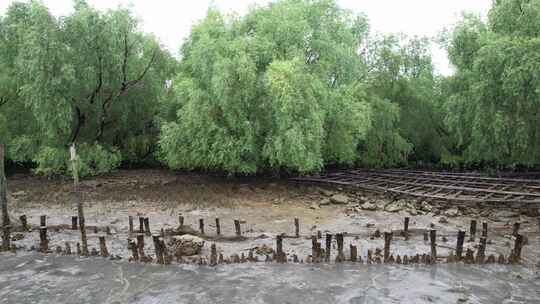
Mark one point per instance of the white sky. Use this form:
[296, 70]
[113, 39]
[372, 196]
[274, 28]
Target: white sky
[171, 20]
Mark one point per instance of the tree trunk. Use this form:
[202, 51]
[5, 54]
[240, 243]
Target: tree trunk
[3, 201]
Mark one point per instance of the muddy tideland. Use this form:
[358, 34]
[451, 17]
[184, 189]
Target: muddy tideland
[205, 239]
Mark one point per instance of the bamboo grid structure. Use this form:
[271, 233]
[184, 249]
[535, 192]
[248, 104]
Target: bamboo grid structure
[439, 186]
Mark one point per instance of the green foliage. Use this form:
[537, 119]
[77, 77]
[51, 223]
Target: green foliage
[383, 145]
[91, 78]
[493, 108]
[402, 73]
[91, 160]
[276, 89]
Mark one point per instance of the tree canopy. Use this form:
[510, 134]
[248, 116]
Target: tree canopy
[282, 88]
[294, 86]
[90, 78]
[493, 109]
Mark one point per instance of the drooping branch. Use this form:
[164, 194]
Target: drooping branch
[126, 84]
[80, 123]
[99, 81]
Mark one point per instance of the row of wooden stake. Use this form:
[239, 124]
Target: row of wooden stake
[163, 256]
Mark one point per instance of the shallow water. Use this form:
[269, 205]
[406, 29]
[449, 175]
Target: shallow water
[33, 278]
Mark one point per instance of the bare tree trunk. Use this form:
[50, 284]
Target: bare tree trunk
[80, 210]
[3, 201]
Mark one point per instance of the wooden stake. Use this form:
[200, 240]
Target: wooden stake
[501, 259]
[481, 254]
[237, 227]
[68, 248]
[80, 209]
[6, 224]
[297, 227]
[515, 257]
[387, 241]
[181, 221]
[164, 256]
[218, 227]
[515, 232]
[43, 241]
[43, 220]
[459, 245]
[469, 256]
[74, 222]
[340, 255]
[140, 245]
[484, 229]
[24, 222]
[103, 247]
[406, 228]
[201, 226]
[141, 224]
[157, 248]
[130, 221]
[279, 249]
[472, 231]
[433, 241]
[315, 252]
[220, 259]
[213, 255]
[353, 253]
[147, 226]
[133, 247]
[328, 249]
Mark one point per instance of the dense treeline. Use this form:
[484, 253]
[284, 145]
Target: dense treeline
[296, 85]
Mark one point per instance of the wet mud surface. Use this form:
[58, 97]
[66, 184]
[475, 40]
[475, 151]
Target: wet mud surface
[265, 208]
[34, 278]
